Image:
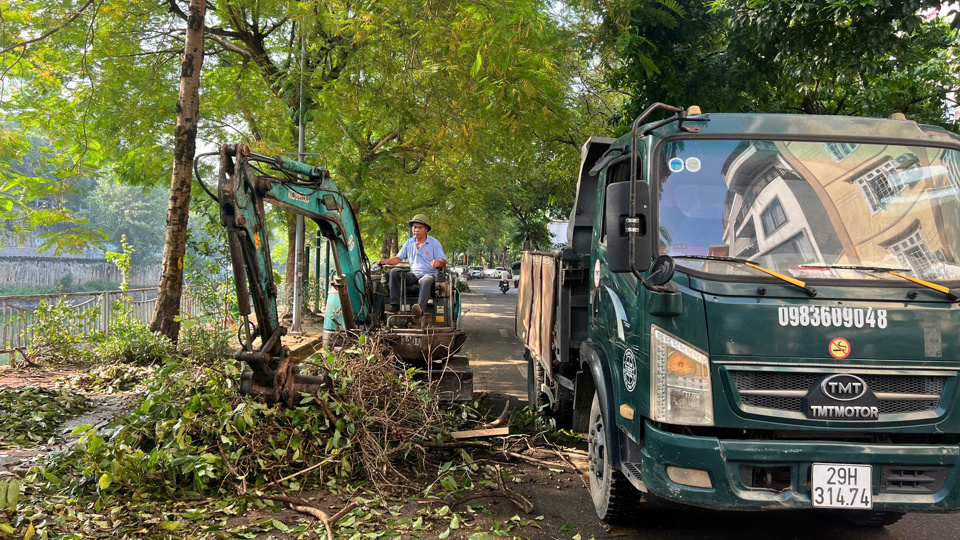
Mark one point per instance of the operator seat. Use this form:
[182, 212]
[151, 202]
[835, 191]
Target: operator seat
[411, 292]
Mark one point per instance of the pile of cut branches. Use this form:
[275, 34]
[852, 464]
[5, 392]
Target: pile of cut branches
[30, 416]
[192, 436]
[193, 446]
[107, 379]
[385, 412]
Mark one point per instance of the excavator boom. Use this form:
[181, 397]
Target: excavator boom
[246, 181]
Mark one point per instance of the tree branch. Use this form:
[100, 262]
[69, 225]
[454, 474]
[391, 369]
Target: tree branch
[50, 32]
[216, 31]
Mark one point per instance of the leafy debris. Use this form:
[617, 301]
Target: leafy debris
[30, 416]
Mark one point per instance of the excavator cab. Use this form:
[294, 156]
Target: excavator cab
[438, 336]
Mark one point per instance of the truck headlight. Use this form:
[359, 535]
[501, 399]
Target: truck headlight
[680, 391]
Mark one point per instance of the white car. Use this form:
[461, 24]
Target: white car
[475, 272]
[491, 273]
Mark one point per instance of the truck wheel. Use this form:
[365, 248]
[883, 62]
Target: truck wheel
[876, 518]
[614, 497]
[563, 416]
[535, 377]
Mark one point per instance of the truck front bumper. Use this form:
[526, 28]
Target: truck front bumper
[731, 466]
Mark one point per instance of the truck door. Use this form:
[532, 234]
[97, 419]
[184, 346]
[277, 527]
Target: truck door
[613, 296]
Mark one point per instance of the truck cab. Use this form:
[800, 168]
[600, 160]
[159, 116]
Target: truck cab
[756, 312]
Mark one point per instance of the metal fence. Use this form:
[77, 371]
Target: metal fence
[89, 313]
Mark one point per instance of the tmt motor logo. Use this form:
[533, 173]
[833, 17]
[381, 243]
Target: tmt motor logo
[842, 397]
[843, 387]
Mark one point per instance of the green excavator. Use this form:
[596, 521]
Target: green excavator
[357, 293]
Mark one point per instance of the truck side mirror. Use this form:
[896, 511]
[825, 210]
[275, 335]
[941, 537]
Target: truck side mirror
[618, 240]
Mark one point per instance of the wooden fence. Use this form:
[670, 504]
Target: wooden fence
[90, 313]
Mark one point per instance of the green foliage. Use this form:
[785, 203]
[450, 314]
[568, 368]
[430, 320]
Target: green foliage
[31, 416]
[204, 343]
[862, 58]
[36, 184]
[192, 429]
[206, 270]
[90, 286]
[407, 115]
[820, 57]
[135, 213]
[131, 342]
[9, 494]
[56, 336]
[122, 261]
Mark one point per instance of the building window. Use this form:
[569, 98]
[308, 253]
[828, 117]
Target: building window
[794, 252]
[839, 151]
[880, 185]
[773, 217]
[912, 252]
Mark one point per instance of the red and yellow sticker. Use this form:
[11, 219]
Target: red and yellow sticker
[839, 348]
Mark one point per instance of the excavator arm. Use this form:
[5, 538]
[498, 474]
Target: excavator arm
[247, 180]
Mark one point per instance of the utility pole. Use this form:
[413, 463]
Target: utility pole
[296, 326]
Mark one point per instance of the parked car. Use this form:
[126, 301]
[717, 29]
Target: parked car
[475, 272]
[491, 273]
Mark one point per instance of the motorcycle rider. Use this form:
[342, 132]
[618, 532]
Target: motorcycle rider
[426, 257]
[505, 278]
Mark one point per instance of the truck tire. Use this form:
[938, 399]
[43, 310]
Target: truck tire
[873, 518]
[614, 497]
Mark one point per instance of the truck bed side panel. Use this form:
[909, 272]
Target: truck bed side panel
[536, 306]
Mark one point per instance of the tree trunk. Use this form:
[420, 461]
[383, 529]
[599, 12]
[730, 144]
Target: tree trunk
[185, 145]
[389, 247]
[290, 271]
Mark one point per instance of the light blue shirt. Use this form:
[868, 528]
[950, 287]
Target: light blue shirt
[421, 259]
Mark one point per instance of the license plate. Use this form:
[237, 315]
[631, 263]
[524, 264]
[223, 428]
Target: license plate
[835, 485]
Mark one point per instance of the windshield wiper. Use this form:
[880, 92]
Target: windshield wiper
[793, 281]
[939, 288]
[893, 272]
[855, 267]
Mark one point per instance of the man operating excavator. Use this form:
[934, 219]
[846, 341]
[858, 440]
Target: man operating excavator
[426, 257]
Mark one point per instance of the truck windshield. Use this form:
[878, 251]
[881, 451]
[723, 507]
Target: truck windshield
[790, 205]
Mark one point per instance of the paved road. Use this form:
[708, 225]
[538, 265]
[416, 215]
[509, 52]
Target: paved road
[497, 359]
[495, 353]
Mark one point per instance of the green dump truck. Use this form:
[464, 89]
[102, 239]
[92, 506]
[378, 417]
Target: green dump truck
[755, 312]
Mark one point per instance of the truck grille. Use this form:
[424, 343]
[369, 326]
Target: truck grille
[783, 391]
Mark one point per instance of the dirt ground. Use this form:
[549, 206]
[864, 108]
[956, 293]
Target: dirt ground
[561, 504]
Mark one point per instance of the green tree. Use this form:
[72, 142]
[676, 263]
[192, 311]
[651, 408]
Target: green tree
[407, 103]
[813, 57]
[136, 212]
